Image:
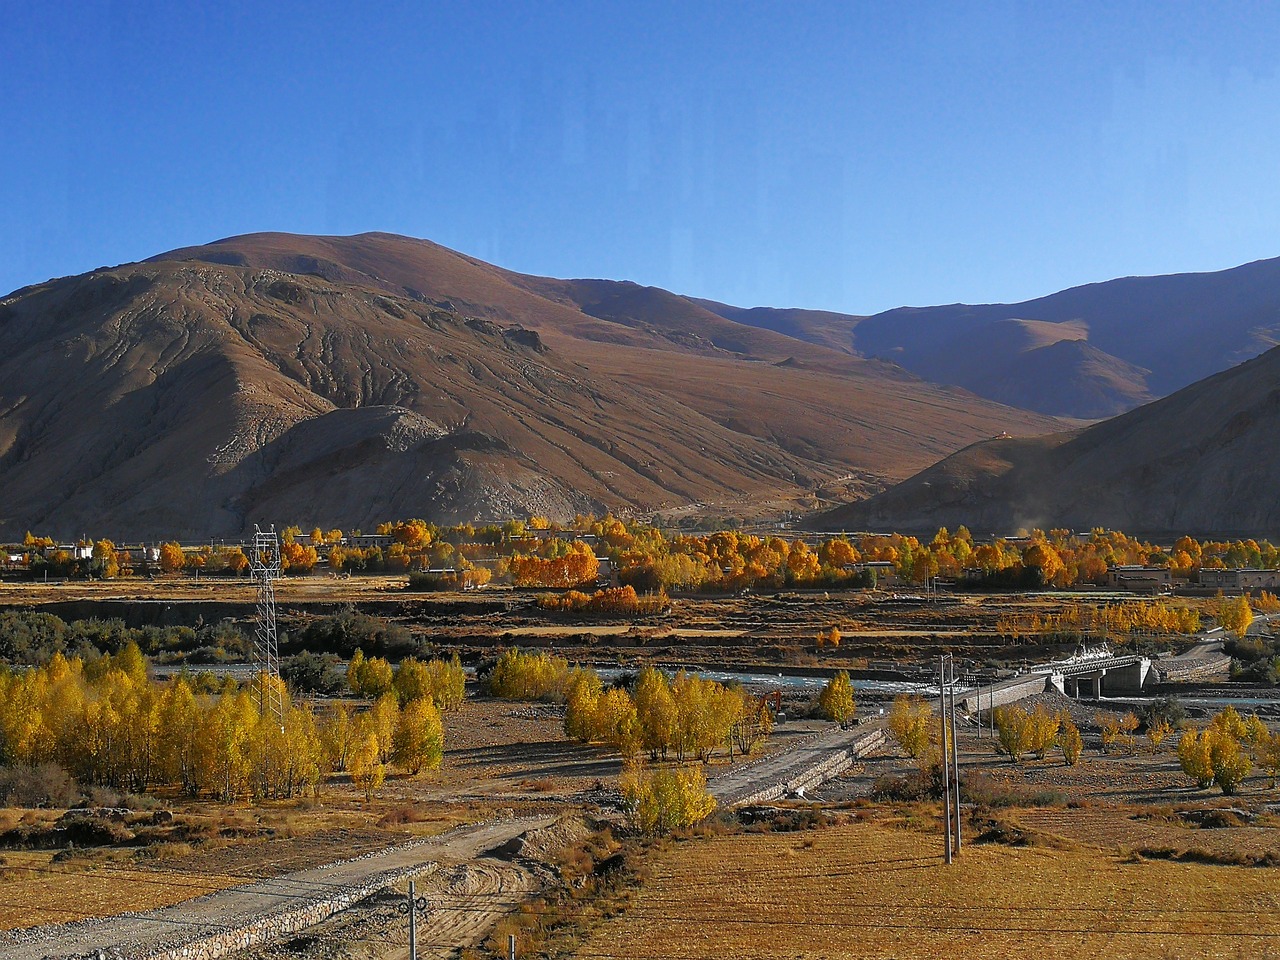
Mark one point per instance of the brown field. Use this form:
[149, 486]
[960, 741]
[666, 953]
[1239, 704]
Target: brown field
[870, 890]
[35, 891]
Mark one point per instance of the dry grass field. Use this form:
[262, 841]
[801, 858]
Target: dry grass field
[873, 890]
[35, 891]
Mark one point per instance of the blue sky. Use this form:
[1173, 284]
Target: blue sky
[847, 156]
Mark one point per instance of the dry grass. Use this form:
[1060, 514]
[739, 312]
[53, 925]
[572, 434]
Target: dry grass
[36, 891]
[1111, 828]
[869, 890]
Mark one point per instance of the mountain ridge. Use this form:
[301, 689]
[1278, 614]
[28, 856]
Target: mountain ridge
[1148, 336]
[347, 381]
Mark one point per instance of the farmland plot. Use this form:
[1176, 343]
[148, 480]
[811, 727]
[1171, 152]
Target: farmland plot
[868, 890]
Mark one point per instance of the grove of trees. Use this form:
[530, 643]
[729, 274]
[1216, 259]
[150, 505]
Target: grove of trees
[685, 716]
[106, 722]
[1225, 751]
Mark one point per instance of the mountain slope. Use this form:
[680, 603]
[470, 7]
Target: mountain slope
[823, 327]
[1202, 460]
[343, 381]
[1140, 337]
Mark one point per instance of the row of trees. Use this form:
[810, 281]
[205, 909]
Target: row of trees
[1118, 621]
[441, 681]
[1019, 733]
[726, 560]
[684, 716]
[611, 600]
[408, 735]
[106, 722]
[665, 799]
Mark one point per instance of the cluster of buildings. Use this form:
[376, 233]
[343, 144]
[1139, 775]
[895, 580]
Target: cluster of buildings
[1140, 579]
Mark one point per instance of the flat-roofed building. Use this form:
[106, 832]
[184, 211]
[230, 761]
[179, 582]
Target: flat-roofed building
[1139, 579]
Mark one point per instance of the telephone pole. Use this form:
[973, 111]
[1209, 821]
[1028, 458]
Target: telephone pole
[946, 758]
[412, 904]
[955, 752]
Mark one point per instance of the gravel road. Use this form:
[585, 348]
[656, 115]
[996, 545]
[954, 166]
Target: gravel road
[135, 935]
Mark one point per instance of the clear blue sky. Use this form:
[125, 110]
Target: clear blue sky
[849, 156]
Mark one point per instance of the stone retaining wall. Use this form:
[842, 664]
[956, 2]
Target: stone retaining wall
[834, 765]
[1004, 692]
[283, 923]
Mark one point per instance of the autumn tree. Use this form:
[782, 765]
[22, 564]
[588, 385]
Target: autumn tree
[583, 690]
[1109, 728]
[1070, 741]
[836, 700]
[1235, 614]
[172, 559]
[105, 563]
[1157, 731]
[369, 677]
[1267, 747]
[368, 772]
[655, 711]
[909, 719]
[1013, 731]
[419, 737]
[381, 721]
[663, 800]
[1042, 730]
[1129, 724]
[1216, 755]
[1195, 754]
[1231, 762]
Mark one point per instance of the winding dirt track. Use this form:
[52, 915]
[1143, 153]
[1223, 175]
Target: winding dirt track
[473, 894]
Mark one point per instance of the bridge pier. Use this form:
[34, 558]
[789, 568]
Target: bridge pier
[1129, 679]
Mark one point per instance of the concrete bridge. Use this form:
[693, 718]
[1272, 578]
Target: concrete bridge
[1089, 675]
[1094, 675]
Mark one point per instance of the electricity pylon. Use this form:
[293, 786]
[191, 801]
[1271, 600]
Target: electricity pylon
[266, 567]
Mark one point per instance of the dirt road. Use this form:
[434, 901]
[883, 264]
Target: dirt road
[472, 896]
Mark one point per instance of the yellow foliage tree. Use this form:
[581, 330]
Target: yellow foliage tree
[835, 702]
[909, 720]
[1070, 741]
[368, 772]
[663, 800]
[419, 737]
[1013, 731]
[172, 559]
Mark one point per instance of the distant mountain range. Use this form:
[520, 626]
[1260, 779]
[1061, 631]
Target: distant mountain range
[1088, 352]
[1203, 460]
[343, 381]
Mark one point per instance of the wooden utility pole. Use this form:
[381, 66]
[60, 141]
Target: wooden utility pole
[946, 761]
[955, 753]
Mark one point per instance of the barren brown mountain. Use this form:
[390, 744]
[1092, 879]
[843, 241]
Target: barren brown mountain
[1090, 352]
[1203, 461]
[342, 381]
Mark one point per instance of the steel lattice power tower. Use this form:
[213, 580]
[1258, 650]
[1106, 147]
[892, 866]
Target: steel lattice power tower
[265, 564]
